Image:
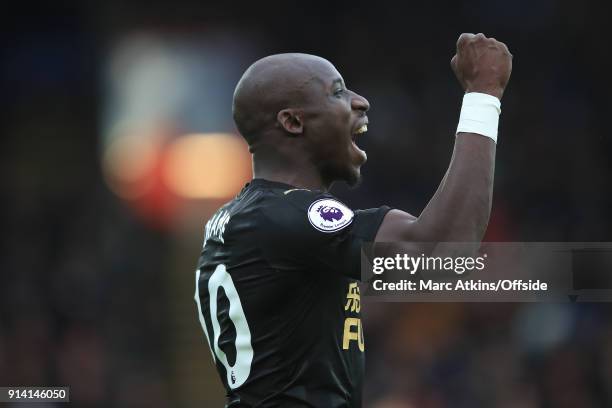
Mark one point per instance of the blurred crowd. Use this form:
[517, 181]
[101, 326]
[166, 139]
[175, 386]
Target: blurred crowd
[488, 355]
[83, 299]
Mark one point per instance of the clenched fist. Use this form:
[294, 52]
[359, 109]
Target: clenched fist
[482, 64]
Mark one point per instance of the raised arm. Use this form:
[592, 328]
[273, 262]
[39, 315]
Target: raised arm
[459, 210]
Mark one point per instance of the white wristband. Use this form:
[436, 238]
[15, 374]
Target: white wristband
[479, 114]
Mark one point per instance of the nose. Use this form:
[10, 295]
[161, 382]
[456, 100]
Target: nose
[360, 103]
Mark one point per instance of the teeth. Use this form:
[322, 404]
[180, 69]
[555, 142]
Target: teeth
[362, 129]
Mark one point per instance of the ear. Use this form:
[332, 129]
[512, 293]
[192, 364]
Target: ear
[290, 120]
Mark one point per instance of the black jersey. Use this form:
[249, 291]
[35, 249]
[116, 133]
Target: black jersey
[278, 300]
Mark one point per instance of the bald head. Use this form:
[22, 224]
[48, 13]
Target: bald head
[300, 120]
[270, 85]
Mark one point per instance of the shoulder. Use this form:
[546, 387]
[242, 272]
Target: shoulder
[312, 210]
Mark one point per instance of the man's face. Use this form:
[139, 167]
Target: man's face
[334, 117]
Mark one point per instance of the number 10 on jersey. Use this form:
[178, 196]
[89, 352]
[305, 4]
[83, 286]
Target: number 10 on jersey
[238, 373]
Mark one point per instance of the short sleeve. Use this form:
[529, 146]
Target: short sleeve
[319, 232]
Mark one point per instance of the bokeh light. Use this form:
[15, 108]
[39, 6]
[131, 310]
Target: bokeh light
[207, 165]
[128, 163]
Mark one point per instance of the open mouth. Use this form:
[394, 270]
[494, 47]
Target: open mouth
[360, 131]
[359, 152]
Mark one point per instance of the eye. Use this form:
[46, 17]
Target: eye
[338, 92]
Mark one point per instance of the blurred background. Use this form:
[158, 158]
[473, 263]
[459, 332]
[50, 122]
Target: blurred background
[118, 144]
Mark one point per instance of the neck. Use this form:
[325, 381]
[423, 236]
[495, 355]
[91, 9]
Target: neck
[298, 172]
